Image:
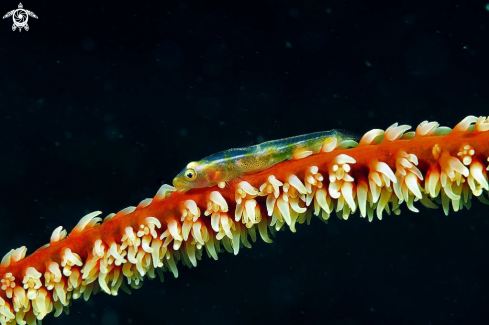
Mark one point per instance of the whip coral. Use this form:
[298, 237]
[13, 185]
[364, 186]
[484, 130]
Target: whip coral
[431, 166]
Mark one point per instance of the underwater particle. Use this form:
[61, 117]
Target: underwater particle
[112, 132]
[107, 86]
[487, 6]
[288, 45]
[293, 12]
[169, 55]
[313, 41]
[183, 132]
[88, 44]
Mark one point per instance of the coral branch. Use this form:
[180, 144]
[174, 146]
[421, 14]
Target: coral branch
[433, 165]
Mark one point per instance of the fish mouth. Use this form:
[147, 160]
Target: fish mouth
[179, 186]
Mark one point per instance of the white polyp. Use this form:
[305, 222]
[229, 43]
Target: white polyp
[302, 154]
[56, 236]
[270, 202]
[192, 207]
[85, 221]
[426, 128]
[6, 258]
[449, 192]
[98, 248]
[375, 189]
[344, 159]
[196, 233]
[375, 177]
[394, 132]
[370, 136]
[186, 228]
[412, 183]
[297, 184]
[313, 170]
[321, 200]
[109, 217]
[238, 211]
[284, 210]
[130, 233]
[245, 186]
[432, 182]
[457, 165]
[467, 160]
[18, 254]
[71, 257]
[340, 173]
[334, 190]
[131, 254]
[225, 226]
[217, 198]
[362, 192]
[115, 254]
[164, 191]
[464, 125]
[476, 172]
[386, 180]
[329, 146]
[413, 158]
[145, 244]
[33, 273]
[294, 205]
[215, 221]
[482, 124]
[421, 124]
[310, 179]
[173, 229]
[127, 210]
[154, 221]
[405, 163]
[383, 168]
[347, 192]
[274, 181]
[144, 203]
[250, 209]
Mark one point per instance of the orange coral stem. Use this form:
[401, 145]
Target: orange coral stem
[385, 168]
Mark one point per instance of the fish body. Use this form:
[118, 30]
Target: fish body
[224, 166]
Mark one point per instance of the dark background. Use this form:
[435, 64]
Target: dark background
[101, 103]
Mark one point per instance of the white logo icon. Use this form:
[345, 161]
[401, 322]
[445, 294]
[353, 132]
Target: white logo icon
[20, 17]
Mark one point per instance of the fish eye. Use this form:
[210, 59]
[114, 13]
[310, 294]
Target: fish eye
[190, 174]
